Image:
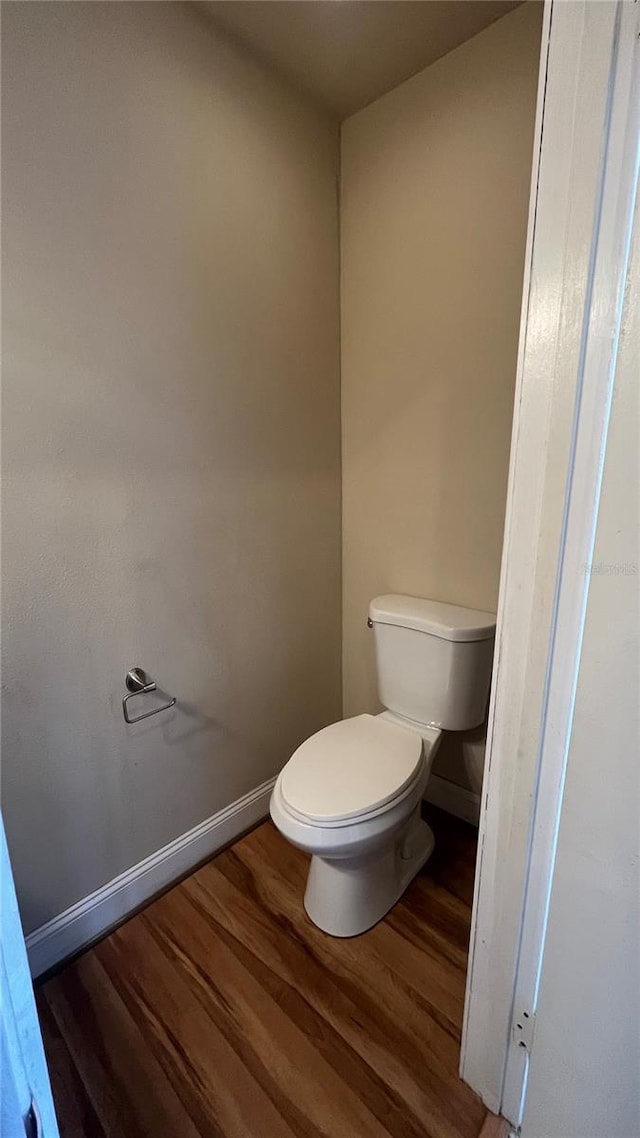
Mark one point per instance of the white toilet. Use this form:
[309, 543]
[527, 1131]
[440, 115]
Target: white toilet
[351, 794]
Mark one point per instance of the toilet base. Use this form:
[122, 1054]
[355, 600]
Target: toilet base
[347, 896]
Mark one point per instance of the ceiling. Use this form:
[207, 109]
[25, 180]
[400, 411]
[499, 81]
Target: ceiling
[346, 53]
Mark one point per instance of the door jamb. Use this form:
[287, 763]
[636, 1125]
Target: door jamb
[581, 210]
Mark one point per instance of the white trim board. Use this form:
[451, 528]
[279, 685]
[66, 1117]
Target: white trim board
[94, 915]
[457, 800]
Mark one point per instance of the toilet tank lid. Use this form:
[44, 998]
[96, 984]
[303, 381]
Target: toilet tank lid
[449, 622]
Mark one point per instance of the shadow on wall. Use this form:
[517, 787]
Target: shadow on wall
[460, 758]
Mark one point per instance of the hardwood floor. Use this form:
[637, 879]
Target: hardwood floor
[220, 1010]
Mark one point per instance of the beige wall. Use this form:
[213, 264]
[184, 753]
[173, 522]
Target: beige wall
[171, 432]
[435, 185]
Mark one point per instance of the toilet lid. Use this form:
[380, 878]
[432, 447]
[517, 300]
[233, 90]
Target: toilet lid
[350, 768]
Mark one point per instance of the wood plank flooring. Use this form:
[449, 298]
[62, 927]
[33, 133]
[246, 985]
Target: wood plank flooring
[220, 1010]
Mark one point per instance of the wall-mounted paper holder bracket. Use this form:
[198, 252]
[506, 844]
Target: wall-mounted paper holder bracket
[139, 683]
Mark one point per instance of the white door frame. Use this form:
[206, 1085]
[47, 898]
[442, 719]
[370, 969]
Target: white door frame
[26, 1103]
[581, 210]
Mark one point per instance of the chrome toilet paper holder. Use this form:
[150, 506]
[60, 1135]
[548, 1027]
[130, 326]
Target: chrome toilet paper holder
[139, 683]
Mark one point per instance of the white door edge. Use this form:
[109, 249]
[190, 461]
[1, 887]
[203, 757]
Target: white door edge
[600, 337]
[583, 190]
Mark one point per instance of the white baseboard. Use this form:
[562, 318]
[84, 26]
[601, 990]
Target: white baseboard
[454, 799]
[90, 918]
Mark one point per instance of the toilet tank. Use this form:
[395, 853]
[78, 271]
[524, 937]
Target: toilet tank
[433, 660]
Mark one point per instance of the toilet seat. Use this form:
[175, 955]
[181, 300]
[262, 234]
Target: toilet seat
[351, 771]
[357, 820]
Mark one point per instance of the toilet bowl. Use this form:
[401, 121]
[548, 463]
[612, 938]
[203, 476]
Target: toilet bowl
[350, 795]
